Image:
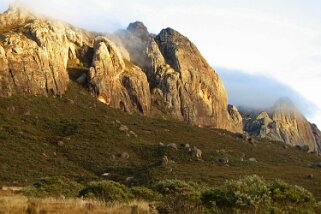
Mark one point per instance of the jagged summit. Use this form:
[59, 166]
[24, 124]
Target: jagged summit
[138, 29]
[130, 70]
[284, 122]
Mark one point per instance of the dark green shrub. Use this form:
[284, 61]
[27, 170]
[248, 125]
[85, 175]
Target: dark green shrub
[144, 193]
[107, 191]
[53, 187]
[291, 197]
[178, 197]
[249, 194]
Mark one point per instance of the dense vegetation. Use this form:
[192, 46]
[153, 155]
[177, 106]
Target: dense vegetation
[250, 194]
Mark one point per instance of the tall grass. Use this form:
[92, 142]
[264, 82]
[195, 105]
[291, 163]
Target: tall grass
[21, 204]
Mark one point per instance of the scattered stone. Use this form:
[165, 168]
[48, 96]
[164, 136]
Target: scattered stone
[285, 147]
[164, 161]
[161, 144]
[113, 157]
[105, 174]
[117, 121]
[123, 128]
[252, 160]
[311, 176]
[187, 146]
[27, 113]
[70, 101]
[11, 109]
[133, 133]
[252, 141]
[124, 156]
[172, 146]
[128, 179]
[44, 154]
[60, 143]
[224, 161]
[197, 153]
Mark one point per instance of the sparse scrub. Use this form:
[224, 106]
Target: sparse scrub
[178, 197]
[144, 193]
[106, 191]
[53, 187]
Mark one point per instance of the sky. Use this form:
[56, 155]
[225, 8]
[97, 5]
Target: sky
[272, 40]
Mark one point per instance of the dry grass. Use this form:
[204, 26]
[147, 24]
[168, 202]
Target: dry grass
[16, 204]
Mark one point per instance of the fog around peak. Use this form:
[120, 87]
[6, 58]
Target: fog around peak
[256, 91]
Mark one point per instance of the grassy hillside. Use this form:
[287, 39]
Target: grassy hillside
[80, 138]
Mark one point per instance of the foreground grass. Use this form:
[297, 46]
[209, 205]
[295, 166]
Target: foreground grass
[20, 204]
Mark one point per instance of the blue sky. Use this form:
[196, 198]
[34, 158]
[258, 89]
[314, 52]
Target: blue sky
[280, 40]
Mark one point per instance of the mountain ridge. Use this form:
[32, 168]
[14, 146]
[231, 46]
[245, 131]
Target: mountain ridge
[135, 71]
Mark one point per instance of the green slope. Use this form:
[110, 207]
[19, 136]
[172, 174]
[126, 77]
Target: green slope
[31, 126]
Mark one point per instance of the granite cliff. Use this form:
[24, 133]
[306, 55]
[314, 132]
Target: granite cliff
[130, 69]
[284, 122]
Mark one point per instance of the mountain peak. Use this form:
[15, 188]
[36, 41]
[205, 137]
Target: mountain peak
[138, 29]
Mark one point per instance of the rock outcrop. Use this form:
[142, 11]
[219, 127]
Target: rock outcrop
[130, 73]
[317, 136]
[116, 83]
[283, 122]
[178, 75]
[34, 53]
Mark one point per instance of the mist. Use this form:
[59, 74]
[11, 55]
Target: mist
[261, 92]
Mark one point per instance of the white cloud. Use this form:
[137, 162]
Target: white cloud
[277, 39]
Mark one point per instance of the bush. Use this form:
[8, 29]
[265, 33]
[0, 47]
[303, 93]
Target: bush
[144, 193]
[291, 197]
[253, 195]
[250, 194]
[106, 191]
[178, 197]
[53, 187]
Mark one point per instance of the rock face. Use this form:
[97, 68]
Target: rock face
[34, 53]
[284, 122]
[115, 83]
[180, 77]
[317, 136]
[132, 73]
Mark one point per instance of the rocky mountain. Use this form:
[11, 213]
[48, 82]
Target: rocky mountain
[130, 69]
[284, 122]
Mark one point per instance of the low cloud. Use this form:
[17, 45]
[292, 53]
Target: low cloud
[258, 91]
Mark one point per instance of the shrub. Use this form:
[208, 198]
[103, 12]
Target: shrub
[106, 191]
[178, 197]
[144, 193]
[53, 187]
[250, 194]
[291, 197]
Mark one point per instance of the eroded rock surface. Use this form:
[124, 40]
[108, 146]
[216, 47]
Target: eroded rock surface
[284, 122]
[116, 83]
[34, 53]
[178, 75]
